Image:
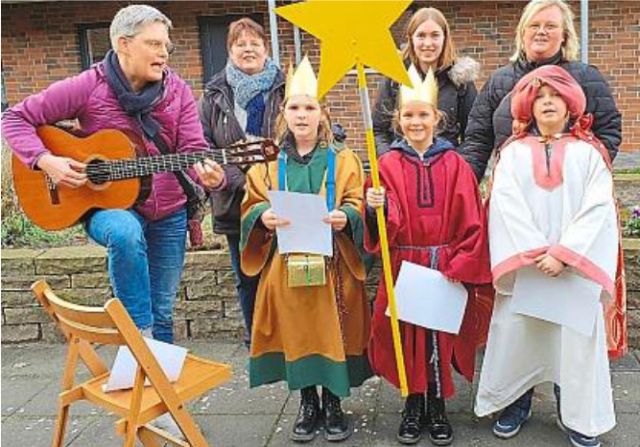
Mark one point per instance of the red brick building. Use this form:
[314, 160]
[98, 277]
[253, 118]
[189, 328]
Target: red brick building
[45, 41]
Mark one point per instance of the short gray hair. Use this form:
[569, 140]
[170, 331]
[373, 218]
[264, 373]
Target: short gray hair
[128, 21]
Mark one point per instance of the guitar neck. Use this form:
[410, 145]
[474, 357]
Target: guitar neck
[144, 166]
[100, 170]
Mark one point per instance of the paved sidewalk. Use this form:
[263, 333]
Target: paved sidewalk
[233, 415]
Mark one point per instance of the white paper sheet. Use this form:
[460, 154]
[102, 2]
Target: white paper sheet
[568, 300]
[425, 297]
[306, 232]
[123, 373]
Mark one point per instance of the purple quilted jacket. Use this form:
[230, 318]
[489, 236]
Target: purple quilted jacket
[89, 98]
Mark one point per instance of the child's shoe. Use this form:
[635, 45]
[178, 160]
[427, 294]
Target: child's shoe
[438, 426]
[337, 426]
[410, 430]
[309, 416]
[576, 439]
[513, 417]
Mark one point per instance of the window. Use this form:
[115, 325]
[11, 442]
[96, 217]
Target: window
[213, 41]
[94, 43]
[5, 102]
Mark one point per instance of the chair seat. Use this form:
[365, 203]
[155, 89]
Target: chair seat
[197, 376]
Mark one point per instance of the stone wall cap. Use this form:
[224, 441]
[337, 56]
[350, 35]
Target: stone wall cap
[75, 252]
[21, 253]
[626, 177]
[631, 243]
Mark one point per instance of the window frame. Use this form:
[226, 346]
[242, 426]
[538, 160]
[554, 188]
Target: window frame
[83, 41]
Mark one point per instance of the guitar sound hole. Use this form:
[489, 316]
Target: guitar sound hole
[98, 171]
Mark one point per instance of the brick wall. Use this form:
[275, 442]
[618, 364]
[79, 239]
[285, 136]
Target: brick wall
[40, 45]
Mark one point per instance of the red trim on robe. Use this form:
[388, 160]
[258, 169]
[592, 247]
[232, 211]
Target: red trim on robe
[616, 313]
[516, 262]
[552, 178]
[584, 265]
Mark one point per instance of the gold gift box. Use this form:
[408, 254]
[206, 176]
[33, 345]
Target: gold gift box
[306, 270]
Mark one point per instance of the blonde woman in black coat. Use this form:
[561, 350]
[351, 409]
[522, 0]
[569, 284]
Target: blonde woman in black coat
[429, 45]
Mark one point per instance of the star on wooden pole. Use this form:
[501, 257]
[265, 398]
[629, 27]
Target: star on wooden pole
[351, 32]
[357, 33]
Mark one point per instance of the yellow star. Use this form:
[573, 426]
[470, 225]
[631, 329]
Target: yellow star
[351, 32]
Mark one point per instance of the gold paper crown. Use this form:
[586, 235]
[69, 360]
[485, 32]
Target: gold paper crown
[425, 91]
[302, 81]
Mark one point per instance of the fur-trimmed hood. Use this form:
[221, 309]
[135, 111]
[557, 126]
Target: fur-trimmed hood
[456, 95]
[465, 69]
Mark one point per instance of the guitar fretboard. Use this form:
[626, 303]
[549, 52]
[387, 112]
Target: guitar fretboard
[101, 171]
[140, 167]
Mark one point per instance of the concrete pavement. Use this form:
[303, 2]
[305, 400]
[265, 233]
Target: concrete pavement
[234, 415]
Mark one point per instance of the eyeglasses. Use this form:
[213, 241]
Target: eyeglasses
[157, 45]
[547, 27]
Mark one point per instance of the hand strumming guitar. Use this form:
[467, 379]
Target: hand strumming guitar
[63, 170]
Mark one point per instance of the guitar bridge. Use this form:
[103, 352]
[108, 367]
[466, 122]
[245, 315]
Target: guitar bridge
[53, 191]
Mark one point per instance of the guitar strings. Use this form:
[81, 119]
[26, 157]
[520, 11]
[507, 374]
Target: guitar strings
[125, 168]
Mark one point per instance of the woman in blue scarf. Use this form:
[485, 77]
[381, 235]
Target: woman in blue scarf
[240, 100]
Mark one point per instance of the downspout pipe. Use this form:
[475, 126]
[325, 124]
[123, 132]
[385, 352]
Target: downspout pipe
[584, 31]
[297, 44]
[273, 30]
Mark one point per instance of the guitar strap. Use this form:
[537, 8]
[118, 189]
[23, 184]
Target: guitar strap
[195, 197]
[330, 182]
[187, 185]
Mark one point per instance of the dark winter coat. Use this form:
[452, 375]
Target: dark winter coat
[490, 119]
[457, 92]
[221, 128]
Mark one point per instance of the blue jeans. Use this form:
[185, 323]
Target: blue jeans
[146, 259]
[245, 285]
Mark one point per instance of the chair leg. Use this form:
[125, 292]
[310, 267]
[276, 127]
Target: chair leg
[130, 436]
[148, 438]
[190, 429]
[134, 410]
[151, 436]
[61, 425]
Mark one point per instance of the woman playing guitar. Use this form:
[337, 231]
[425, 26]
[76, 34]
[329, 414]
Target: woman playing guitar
[132, 90]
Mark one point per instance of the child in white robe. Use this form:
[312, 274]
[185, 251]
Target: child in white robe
[552, 222]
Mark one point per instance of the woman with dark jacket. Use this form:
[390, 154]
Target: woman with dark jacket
[242, 99]
[545, 35]
[429, 45]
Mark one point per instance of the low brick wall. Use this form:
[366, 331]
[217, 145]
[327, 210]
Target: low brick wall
[206, 304]
[206, 307]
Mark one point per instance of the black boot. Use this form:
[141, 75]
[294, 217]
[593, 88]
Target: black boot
[305, 425]
[438, 426]
[336, 423]
[410, 430]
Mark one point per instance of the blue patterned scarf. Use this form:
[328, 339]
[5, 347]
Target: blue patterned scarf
[248, 91]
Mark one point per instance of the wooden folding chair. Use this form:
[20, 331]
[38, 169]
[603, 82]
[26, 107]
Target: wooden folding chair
[85, 326]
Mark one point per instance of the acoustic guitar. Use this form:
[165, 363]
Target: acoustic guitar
[117, 177]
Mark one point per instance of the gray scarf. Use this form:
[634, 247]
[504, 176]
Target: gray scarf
[246, 87]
